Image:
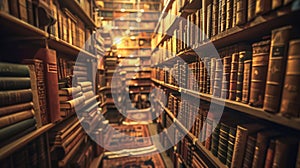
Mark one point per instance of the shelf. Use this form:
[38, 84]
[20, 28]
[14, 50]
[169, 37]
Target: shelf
[128, 10]
[133, 48]
[133, 28]
[17, 144]
[238, 106]
[75, 8]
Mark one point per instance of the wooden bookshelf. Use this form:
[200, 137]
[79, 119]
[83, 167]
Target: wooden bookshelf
[167, 6]
[238, 106]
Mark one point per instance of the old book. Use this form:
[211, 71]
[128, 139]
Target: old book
[226, 77]
[229, 13]
[218, 78]
[215, 140]
[249, 151]
[283, 147]
[233, 76]
[276, 69]
[72, 103]
[241, 12]
[69, 91]
[290, 95]
[243, 55]
[30, 14]
[13, 70]
[276, 4]
[262, 6]
[241, 138]
[13, 8]
[12, 97]
[209, 21]
[260, 60]
[223, 16]
[215, 17]
[37, 66]
[69, 97]
[7, 110]
[4, 6]
[251, 10]
[247, 80]
[262, 142]
[270, 154]
[231, 142]
[212, 75]
[13, 83]
[14, 118]
[50, 69]
[23, 15]
[207, 63]
[223, 142]
[14, 129]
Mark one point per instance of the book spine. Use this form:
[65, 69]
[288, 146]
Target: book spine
[30, 12]
[215, 17]
[276, 69]
[50, 68]
[240, 77]
[289, 102]
[218, 78]
[15, 97]
[13, 70]
[223, 15]
[15, 108]
[14, 118]
[270, 154]
[230, 148]
[251, 10]
[23, 10]
[262, 6]
[239, 147]
[229, 14]
[246, 81]
[260, 59]
[226, 77]
[241, 12]
[13, 8]
[12, 83]
[282, 147]
[233, 76]
[212, 75]
[249, 151]
[223, 143]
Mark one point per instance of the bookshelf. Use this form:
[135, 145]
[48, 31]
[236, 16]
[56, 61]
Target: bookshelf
[65, 41]
[175, 40]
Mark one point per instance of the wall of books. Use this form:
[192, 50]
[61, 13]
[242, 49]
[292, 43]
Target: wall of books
[238, 54]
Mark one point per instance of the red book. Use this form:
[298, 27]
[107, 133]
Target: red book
[50, 69]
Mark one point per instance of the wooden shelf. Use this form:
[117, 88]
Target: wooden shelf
[17, 144]
[133, 28]
[133, 48]
[75, 7]
[238, 106]
[129, 10]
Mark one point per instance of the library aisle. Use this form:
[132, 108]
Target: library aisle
[149, 83]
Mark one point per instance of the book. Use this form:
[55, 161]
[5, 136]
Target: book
[13, 70]
[229, 14]
[14, 118]
[243, 56]
[14, 129]
[7, 110]
[50, 69]
[69, 97]
[13, 83]
[283, 146]
[270, 154]
[249, 151]
[260, 60]
[262, 7]
[241, 138]
[212, 75]
[77, 102]
[233, 76]
[289, 102]
[276, 69]
[13, 97]
[241, 12]
[69, 91]
[247, 80]
[218, 78]
[251, 10]
[226, 77]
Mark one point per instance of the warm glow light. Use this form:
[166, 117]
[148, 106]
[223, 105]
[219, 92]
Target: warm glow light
[138, 19]
[117, 40]
[142, 10]
[119, 55]
[123, 10]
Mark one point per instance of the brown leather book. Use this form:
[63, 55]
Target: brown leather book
[212, 75]
[249, 151]
[276, 69]
[12, 97]
[246, 81]
[262, 6]
[251, 10]
[270, 154]
[14, 118]
[215, 17]
[223, 15]
[243, 56]
[226, 77]
[276, 4]
[260, 60]
[286, 152]
[218, 78]
[233, 76]
[50, 68]
[15, 108]
[229, 13]
[13, 8]
[290, 96]
[241, 12]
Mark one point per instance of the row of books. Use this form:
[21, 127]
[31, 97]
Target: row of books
[234, 141]
[134, 15]
[257, 77]
[129, 42]
[140, 52]
[145, 6]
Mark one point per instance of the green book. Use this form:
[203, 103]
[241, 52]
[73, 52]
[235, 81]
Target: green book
[13, 70]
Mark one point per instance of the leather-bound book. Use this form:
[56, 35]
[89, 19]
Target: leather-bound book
[270, 154]
[240, 142]
[262, 142]
[223, 15]
[202, 76]
[260, 60]
[249, 151]
[241, 12]
[243, 55]
[251, 10]
[285, 152]
[209, 21]
[233, 76]
[212, 75]
[12, 97]
[231, 142]
[276, 4]
[290, 97]
[229, 13]
[276, 69]
[246, 81]
[215, 18]
[30, 16]
[13, 70]
[223, 142]
[15, 108]
[207, 69]
[13, 8]
[234, 13]
[13, 83]
[226, 77]
[50, 69]
[23, 10]
[14, 118]
[262, 6]
[218, 78]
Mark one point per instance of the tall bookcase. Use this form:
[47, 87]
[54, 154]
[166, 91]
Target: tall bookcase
[64, 33]
[196, 33]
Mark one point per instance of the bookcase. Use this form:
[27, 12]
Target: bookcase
[226, 54]
[52, 53]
